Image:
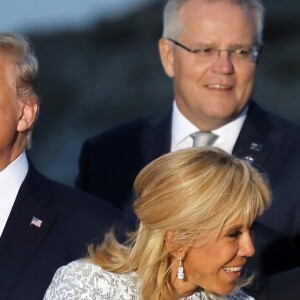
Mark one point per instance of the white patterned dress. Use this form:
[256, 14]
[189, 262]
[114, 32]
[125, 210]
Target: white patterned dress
[83, 280]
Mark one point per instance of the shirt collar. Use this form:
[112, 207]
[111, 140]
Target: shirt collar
[228, 134]
[183, 128]
[11, 179]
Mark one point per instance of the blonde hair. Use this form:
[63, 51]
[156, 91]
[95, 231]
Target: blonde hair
[189, 192]
[19, 49]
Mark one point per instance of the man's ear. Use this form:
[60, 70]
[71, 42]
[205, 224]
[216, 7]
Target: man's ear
[28, 112]
[166, 56]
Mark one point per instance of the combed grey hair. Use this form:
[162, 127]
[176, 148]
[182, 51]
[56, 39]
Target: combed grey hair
[173, 28]
[18, 49]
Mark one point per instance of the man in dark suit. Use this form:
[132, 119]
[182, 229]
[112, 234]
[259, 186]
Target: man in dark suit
[212, 93]
[282, 286]
[43, 224]
[210, 50]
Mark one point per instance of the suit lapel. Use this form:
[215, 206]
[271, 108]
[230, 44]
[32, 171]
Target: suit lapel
[20, 240]
[156, 139]
[253, 143]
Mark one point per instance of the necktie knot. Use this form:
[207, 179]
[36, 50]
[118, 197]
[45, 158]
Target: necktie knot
[203, 138]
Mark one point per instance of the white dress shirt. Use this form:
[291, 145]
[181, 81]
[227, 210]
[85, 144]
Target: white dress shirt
[182, 129]
[11, 179]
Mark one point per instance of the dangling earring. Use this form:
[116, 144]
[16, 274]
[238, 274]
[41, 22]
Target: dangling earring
[180, 272]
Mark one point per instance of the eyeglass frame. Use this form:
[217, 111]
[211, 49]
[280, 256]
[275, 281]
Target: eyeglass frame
[255, 50]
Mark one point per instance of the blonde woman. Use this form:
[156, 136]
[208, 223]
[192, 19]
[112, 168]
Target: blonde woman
[195, 207]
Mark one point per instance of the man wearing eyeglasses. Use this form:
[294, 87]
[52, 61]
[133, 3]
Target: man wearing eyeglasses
[210, 50]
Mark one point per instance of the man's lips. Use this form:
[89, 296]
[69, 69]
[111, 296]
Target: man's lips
[217, 86]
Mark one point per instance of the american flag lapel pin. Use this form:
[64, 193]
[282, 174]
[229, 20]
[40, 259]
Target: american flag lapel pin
[36, 222]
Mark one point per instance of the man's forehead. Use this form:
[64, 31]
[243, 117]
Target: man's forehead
[7, 70]
[197, 14]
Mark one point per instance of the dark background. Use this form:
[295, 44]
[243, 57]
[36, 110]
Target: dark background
[96, 78]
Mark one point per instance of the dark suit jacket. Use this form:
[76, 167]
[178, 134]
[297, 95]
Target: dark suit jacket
[110, 161]
[284, 286]
[30, 255]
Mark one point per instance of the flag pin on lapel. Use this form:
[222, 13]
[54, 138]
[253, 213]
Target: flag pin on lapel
[36, 222]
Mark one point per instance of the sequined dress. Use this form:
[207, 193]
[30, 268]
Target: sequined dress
[82, 280]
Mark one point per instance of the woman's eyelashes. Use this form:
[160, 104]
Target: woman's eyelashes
[235, 232]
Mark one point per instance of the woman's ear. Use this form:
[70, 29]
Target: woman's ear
[176, 250]
[166, 56]
[28, 112]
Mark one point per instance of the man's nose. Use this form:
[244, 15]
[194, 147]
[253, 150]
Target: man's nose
[222, 62]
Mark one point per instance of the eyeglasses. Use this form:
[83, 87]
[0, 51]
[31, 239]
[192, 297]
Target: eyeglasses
[247, 54]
